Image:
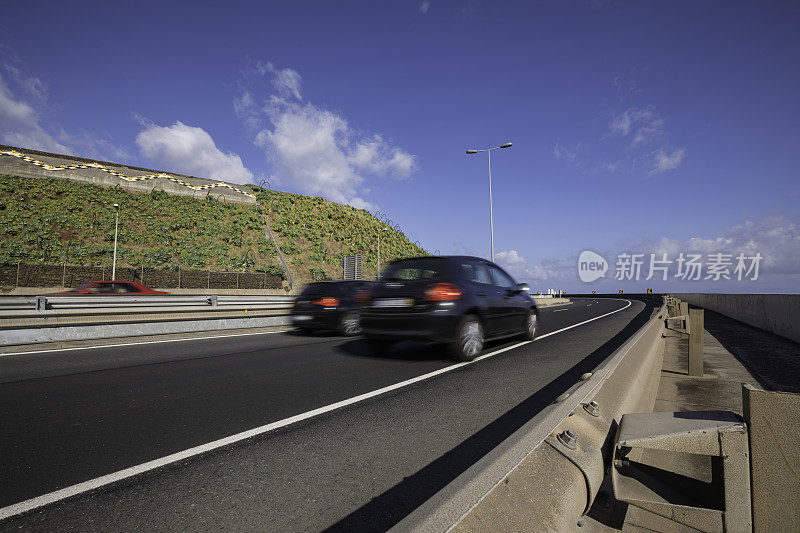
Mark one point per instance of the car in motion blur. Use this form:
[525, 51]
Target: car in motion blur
[460, 301]
[115, 288]
[330, 305]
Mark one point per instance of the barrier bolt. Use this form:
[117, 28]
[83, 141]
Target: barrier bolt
[696, 342]
[593, 408]
[568, 438]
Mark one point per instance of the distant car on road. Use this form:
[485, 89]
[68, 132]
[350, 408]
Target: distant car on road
[330, 305]
[113, 288]
[460, 301]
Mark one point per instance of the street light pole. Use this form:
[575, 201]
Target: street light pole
[491, 214]
[116, 229]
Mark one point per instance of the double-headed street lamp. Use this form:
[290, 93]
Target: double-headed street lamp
[116, 228]
[491, 216]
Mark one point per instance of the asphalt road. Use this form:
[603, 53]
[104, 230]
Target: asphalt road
[71, 416]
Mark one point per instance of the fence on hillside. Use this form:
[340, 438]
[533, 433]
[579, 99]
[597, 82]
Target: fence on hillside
[40, 275]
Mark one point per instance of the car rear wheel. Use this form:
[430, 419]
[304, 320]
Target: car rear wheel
[531, 326]
[469, 339]
[350, 324]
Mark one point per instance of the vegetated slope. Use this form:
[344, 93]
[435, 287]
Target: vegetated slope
[62, 221]
[315, 232]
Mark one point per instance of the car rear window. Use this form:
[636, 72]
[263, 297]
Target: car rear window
[474, 271]
[415, 269]
[321, 289]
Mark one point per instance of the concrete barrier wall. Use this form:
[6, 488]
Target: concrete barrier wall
[777, 313]
[105, 331]
[551, 302]
[531, 481]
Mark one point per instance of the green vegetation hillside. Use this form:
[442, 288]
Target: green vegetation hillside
[59, 221]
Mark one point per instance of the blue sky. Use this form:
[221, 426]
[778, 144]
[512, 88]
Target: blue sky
[638, 127]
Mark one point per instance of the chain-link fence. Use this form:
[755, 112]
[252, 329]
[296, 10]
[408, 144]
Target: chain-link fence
[38, 275]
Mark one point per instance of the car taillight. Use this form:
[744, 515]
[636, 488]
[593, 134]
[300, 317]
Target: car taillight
[363, 296]
[327, 302]
[442, 292]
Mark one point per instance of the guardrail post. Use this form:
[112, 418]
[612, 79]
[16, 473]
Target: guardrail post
[41, 303]
[684, 308]
[695, 342]
[774, 464]
[214, 300]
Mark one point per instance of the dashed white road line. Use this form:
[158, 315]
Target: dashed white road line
[108, 479]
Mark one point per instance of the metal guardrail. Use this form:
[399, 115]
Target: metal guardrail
[558, 460]
[45, 303]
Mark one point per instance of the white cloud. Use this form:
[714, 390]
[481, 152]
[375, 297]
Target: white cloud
[377, 156]
[22, 123]
[315, 150]
[286, 81]
[360, 203]
[190, 150]
[425, 6]
[664, 162]
[31, 85]
[775, 237]
[646, 123]
[245, 108]
[521, 270]
[307, 146]
[568, 154]
[644, 146]
[19, 124]
[625, 87]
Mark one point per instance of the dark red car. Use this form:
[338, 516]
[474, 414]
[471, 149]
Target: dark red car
[100, 288]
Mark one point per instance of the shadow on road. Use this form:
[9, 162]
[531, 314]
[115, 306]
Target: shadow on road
[387, 509]
[771, 359]
[411, 350]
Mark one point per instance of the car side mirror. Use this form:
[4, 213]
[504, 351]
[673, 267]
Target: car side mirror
[523, 287]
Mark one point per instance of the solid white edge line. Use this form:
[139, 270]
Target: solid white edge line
[585, 321]
[144, 342]
[96, 483]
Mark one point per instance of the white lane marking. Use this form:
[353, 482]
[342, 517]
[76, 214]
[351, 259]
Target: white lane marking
[146, 342]
[559, 310]
[96, 483]
[584, 322]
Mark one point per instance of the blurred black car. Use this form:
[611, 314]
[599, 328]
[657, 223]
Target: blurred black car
[330, 305]
[460, 301]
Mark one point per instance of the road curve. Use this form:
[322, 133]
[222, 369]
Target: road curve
[72, 416]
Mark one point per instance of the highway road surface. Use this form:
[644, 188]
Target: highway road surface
[339, 438]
